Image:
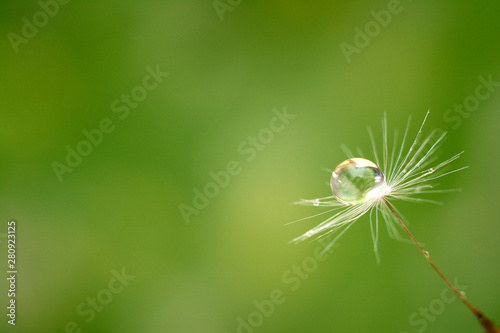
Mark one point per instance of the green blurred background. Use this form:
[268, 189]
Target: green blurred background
[119, 209]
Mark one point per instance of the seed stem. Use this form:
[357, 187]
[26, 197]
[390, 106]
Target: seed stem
[485, 322]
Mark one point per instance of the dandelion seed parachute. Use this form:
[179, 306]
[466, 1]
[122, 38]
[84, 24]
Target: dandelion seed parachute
[360, 186]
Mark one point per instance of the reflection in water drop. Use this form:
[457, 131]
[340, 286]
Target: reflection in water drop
[357, 180]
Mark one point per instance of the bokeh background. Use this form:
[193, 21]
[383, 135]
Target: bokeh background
[119, 209]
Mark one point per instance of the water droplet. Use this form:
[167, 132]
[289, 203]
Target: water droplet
[309, 233]
[431, 170]
[357, 180]
[463, 294]
[427, 254]
[315, 202]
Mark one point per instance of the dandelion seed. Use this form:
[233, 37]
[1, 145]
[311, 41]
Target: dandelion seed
[360, 186]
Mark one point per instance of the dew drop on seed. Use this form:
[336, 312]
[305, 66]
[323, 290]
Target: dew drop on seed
[357, 180]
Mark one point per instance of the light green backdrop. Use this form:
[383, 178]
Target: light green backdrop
[119, 207]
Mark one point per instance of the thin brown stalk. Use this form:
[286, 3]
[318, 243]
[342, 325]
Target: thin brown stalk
[484, 321]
